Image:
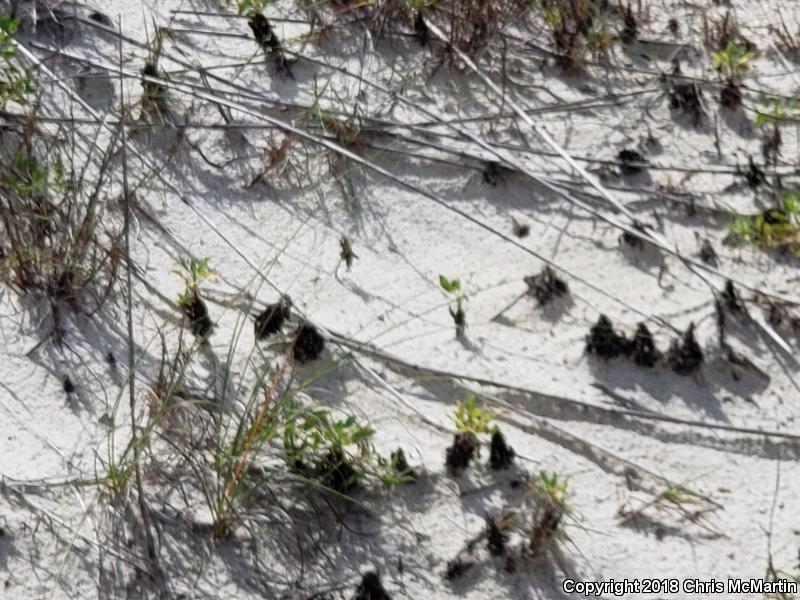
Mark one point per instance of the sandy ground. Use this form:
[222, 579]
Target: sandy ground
[622, 435]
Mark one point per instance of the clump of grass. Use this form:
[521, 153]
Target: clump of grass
[59, 246]
[194, 271]
[155, 98]
[771, 228]
[550, 509]
[675, 499]
[733, 61]
[335, 452]
[578, 28]
[15, 82]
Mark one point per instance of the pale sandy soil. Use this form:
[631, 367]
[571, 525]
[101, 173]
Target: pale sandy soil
[619, 433]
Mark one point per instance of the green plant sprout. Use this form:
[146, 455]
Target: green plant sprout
[336, 452]
[470, 417]
[453, 287]
[193, 272]
[733, 60]
[775, 110]
[550, 509]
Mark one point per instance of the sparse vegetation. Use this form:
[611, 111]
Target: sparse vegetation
[194, 271]
[774, 227]
[549, 510]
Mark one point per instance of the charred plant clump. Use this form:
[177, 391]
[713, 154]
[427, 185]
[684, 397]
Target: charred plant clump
[308, 343]
[501, 455]
[771, 145]
[546, 285]
[336, 472]
[577, 28]
[460, 454]
[154, 96]
[99, 17]
[59, 245]
[459, 320]
[685, 355]
[730, 299]
[631, 162]
[685, 97]
[265, 36]
[194, 309]
[346, 253]
[731, 96]
[495, 172]
[421, 29]
[545, 526]
[645, 353]
[549, 512]
[496, 538]
[521, 230]
[272, 318]
[754, 176]
[401, 467]
[371, 588]
[673, 26]
[707, 253]
[605, 342]
[779, 317]
[630, 30]
[457, 567]
[631, 240]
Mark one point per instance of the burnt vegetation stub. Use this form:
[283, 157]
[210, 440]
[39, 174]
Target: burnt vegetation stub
[501, 455]
[272, 318]
[685, 355]
[496, 538]
[308, 343]
[546, 285]
[195, 310]
[371, 588]
[266, 37]
[605, 342]
[644, 351]
[458, 456]
[685, 98]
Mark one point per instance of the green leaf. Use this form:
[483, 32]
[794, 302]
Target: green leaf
[449, 285]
